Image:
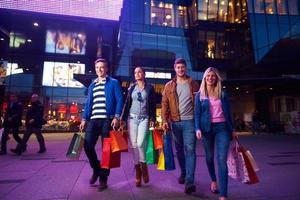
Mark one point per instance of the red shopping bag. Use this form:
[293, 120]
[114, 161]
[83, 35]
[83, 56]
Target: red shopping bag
[119, 140]
[253, 178]
[157, 139]
[109, 159]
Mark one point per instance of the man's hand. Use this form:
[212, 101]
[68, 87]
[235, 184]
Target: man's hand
[115, 123]
[82, 125]
[165, 126]
[198, 134]
[152, 124]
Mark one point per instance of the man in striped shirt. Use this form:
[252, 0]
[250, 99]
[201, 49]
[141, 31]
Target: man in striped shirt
[102, 111]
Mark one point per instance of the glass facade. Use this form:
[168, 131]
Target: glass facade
[273, 7]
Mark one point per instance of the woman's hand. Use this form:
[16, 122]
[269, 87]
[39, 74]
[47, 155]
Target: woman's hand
[165, 126]
[82, 125]
[198, 134]
[152, 124]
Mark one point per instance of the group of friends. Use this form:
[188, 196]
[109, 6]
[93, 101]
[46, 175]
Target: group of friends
[188, 111]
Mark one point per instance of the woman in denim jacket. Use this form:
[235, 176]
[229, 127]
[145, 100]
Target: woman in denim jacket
[214, 125]
[139, 110]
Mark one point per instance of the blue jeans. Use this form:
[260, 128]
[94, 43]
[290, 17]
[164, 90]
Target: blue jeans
[220, 136]
[185, 144]
[138, 129]
[94, 129]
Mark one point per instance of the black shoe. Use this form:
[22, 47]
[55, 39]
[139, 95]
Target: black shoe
[94, 178]
[16, 151]
[42, 150]
[3, 153]
[215, 191]
[189, 189]
[102, 186]
[181, 180]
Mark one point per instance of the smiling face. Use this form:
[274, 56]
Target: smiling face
[101, 69]
[180, 70]
[211, 79]
[139, 74]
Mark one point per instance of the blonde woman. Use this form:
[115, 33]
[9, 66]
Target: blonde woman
[214, 125]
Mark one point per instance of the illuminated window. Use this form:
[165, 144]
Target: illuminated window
[282, 7]
[270, 7]
[259, 6]
[182, 17]
[212, 10]
[162, 14]
[223, 10]
[202, 9]
[16, 40]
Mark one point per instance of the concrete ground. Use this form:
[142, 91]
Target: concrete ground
[52, 176]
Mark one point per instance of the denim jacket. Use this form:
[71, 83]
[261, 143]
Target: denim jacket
[202, 113]
[113, 96]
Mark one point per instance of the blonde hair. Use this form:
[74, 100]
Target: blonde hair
[218, 86]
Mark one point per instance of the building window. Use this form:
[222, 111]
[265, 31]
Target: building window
[202, 9]
[282, 7]
[182, 17]
[222, 14]
[293, 7]
[162, 14]
[270, 7]
[212, 10]
[259, 6]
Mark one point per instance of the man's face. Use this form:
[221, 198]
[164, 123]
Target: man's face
[180, 70]
[101, 69]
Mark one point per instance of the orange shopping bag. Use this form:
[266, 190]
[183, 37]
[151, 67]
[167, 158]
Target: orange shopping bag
[109, 159]
[157, 138]
[119, 140]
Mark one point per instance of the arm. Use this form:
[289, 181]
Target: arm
[165, 110]
[197, 112]
[118, 98]
[152, 105]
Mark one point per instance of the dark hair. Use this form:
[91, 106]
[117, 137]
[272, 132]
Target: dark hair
[143, 70]
[103, 60]
[179, 61]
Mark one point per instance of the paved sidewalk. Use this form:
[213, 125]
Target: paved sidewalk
[51, 176]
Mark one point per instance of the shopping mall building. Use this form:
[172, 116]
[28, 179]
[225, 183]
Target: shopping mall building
[49, 48]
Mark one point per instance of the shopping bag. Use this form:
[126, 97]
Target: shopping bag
[151, 156]
[252, 160]
[253, 178]
[119, 140]
[157, 138]
[109, 159]
[168, 152]
[161, 161]
[75, 146]
[1, 133]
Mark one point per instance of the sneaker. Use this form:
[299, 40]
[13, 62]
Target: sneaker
[189, 189]
[102, 186]
[94, 178]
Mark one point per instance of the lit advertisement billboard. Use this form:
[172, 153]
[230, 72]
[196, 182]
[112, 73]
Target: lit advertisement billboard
[61, 74]
[102, 9]
[65, 42]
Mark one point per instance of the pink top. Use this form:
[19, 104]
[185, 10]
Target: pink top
[216, 111]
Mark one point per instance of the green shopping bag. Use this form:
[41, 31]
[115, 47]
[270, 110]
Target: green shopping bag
[151, 155]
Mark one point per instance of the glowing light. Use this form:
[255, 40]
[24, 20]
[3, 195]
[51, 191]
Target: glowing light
[35, 24]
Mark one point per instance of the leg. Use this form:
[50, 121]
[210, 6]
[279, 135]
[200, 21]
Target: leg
[208, 140]
[178, 139]
[16, 136]
[20, 147]
[222, 143]
[90, 140]
[41, 140]
[133, 134]
[142, 132]
[189, 141]
[4, 140]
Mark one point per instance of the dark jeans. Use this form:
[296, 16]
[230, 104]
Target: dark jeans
[15, 131]
[38, 133]
[95, 128]
[185, 144]
[220, 136]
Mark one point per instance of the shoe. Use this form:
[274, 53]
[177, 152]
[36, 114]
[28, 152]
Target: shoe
[138, 175]
[214, 187]
[102, 186]
[94, 178]
[145, 172]
[16, 151]
[189, 189]
[3, 153]
[42, 150]
[181, 180]
[215, 191]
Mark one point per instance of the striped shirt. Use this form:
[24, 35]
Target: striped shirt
[99, 108]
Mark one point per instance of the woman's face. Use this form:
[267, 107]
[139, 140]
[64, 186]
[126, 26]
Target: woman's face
[211, 79]
[139, 75]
